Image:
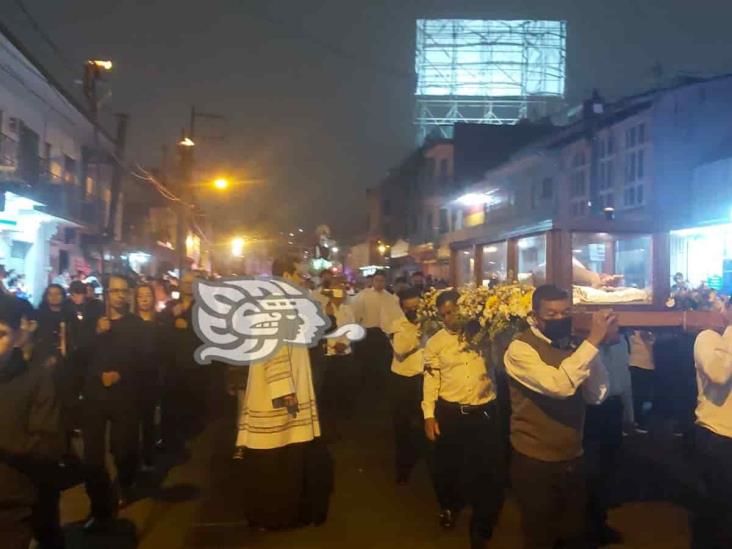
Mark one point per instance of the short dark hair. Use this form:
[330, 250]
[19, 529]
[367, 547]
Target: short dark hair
[548, 292]
[108, 282]
[11, 311]
[285, 264]
[380, 272]
[418, 273]
[77, 287]
[401, 280]
[408, 293]
[325, 271]
[448, 296]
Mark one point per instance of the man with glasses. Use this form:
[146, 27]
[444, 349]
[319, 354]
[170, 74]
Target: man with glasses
[550, 382]
[112, 390]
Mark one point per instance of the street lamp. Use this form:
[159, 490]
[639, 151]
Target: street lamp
[186, 142]
[382, 249]
[106, 65]
[237, 246]
[221, 184]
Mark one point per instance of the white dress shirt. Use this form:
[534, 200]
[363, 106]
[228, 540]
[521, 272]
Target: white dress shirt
[343, 315]
[454, 374]
[713, 359]
[408, 359]
[581, 369]
[616, 358]
[641, 351]
[376, 309]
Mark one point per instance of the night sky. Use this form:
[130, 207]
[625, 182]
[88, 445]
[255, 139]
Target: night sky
[318, 93]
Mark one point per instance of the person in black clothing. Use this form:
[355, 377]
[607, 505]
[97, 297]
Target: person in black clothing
[50, 316]
[155, 350]
[81, 314]
[30, 440]
[185, 383]
[111, 396]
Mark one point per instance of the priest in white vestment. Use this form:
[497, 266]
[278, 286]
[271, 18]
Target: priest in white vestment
[288, 471]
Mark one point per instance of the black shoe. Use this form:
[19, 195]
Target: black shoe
[125, 497]
[402, 479]
[448, 519]
[96, 524]
[610, 536]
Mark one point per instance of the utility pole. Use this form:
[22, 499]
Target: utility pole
[185, 151]
[93, 72]
[116, 189]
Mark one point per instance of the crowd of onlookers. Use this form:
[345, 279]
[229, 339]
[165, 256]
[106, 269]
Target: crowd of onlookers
[77, 369]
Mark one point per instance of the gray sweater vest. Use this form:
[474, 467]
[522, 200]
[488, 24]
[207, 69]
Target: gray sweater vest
[543, 427]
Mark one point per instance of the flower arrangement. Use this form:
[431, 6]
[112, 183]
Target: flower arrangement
[702, 298]
[428, 318]
[485, 313]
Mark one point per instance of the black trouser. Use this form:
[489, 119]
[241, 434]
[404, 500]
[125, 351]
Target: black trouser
[374, 354]
[339, 386]
[602, 442]
[713, 528]
[15, 534]
[148, 405]
[124, 437]
[469, 463]
[643, 382]
[409, 436]
[551, 496]
[184, 404]
[46, 519]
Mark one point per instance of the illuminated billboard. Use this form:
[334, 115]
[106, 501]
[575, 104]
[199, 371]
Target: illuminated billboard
[491, 72]
[490, 58]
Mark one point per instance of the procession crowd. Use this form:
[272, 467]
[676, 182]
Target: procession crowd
[76, 371]
[545, 421]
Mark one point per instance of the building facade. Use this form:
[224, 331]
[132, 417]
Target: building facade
[55, 176]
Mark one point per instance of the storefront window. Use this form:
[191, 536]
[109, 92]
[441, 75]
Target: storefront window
[703, 255]
[532, 260]
[465, 267]
[494, 263]
[611, 268]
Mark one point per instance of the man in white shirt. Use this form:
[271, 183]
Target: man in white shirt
[461, 418]
[603, 436]
[375, 309]
[643, 375]
[320, 293]
[550, 383]
[407, 367]
[340, 378]
[713, 359]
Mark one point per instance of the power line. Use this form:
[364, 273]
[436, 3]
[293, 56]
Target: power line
[46, 38]
[336, 50]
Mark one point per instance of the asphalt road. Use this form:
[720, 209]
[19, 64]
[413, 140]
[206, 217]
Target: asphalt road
[197, 504]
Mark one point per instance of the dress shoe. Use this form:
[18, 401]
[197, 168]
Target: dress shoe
[448, 519]
[125, 497]
[610, 536]
[96, 524]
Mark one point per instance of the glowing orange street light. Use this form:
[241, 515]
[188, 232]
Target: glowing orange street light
[221, 184]
[106, 65]
[186, 142]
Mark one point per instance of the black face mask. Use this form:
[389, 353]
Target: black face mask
[411, 315]
[558, 329]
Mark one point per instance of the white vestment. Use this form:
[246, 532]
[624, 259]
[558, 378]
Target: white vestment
[261, 425]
